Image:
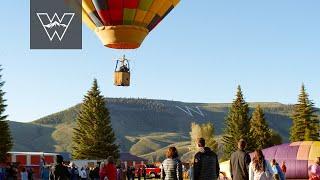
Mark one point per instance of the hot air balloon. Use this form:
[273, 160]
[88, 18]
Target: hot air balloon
[299, 156]
[124, 24]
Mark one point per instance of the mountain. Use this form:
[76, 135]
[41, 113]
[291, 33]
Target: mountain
[54, 24]
[144, 127]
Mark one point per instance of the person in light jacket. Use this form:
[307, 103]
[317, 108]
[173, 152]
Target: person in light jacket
[259, 168]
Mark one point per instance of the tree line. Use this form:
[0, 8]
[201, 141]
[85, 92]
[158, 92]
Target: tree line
[94, 137]
[254, 129]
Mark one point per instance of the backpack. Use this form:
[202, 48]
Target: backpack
[75, 171]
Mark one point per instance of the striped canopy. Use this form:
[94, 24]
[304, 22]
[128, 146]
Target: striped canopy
[123, 24]
[298, 156]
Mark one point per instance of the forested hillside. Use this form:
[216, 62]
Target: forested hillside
[136, 121]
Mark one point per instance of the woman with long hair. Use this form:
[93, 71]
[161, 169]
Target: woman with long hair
[259, 168]
[171, 168]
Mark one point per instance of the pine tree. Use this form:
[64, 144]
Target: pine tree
[305, 123]
[93, 136]
[261, 134]
[5, 135]
[237, 125]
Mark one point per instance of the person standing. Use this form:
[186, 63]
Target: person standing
[10, 173]
[110, 169]
[59, 171]
[144, 172]
[133, 172]
[24, 174]
[171, 168]
[283, 167]
[315, 170]
[74, 172]
[95, 173]
[276, 170]
[83, 174]
[128, 173]
[45, 173]
[206, 164]
[102, 172]
[239, 162]
[259, 168]
[190, 172]
[30, 173]
[139, 173]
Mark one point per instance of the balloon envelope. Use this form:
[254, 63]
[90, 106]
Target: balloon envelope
[123, 24]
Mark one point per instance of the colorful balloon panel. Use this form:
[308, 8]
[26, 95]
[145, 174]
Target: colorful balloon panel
[136, 18]
[299, 156]
[314, 151]
[145, 13]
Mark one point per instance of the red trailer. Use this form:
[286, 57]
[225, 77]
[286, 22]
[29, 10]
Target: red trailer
[31, 160]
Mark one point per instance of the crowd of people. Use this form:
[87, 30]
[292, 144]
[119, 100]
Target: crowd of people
[206, 166]
[11, 173]
[105, 171]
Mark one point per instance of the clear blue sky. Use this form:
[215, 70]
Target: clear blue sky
[199, 53]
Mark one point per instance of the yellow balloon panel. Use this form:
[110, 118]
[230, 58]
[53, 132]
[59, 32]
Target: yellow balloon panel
[314, 150]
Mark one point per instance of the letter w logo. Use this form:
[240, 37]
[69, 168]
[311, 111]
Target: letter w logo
[189, 111]
[55, 26]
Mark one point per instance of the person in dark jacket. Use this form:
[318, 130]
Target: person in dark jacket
[74, 172]
[60, 171]
[239, 162]
[206, 164]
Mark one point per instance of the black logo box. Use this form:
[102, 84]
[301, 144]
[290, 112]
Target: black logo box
[39, 38]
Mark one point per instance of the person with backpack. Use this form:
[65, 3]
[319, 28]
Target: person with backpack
[59, 171]
[315, 170]
[74, 172]
[206, 164]
[171, 167]
[239, 162]
[259, 168]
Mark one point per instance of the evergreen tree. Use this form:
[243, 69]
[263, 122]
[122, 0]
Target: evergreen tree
[305, 123]
[93, 136]
[261, 134]
[5, 135]
[237, 125]
[276, 139]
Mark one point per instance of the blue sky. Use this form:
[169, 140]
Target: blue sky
[199, 53]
